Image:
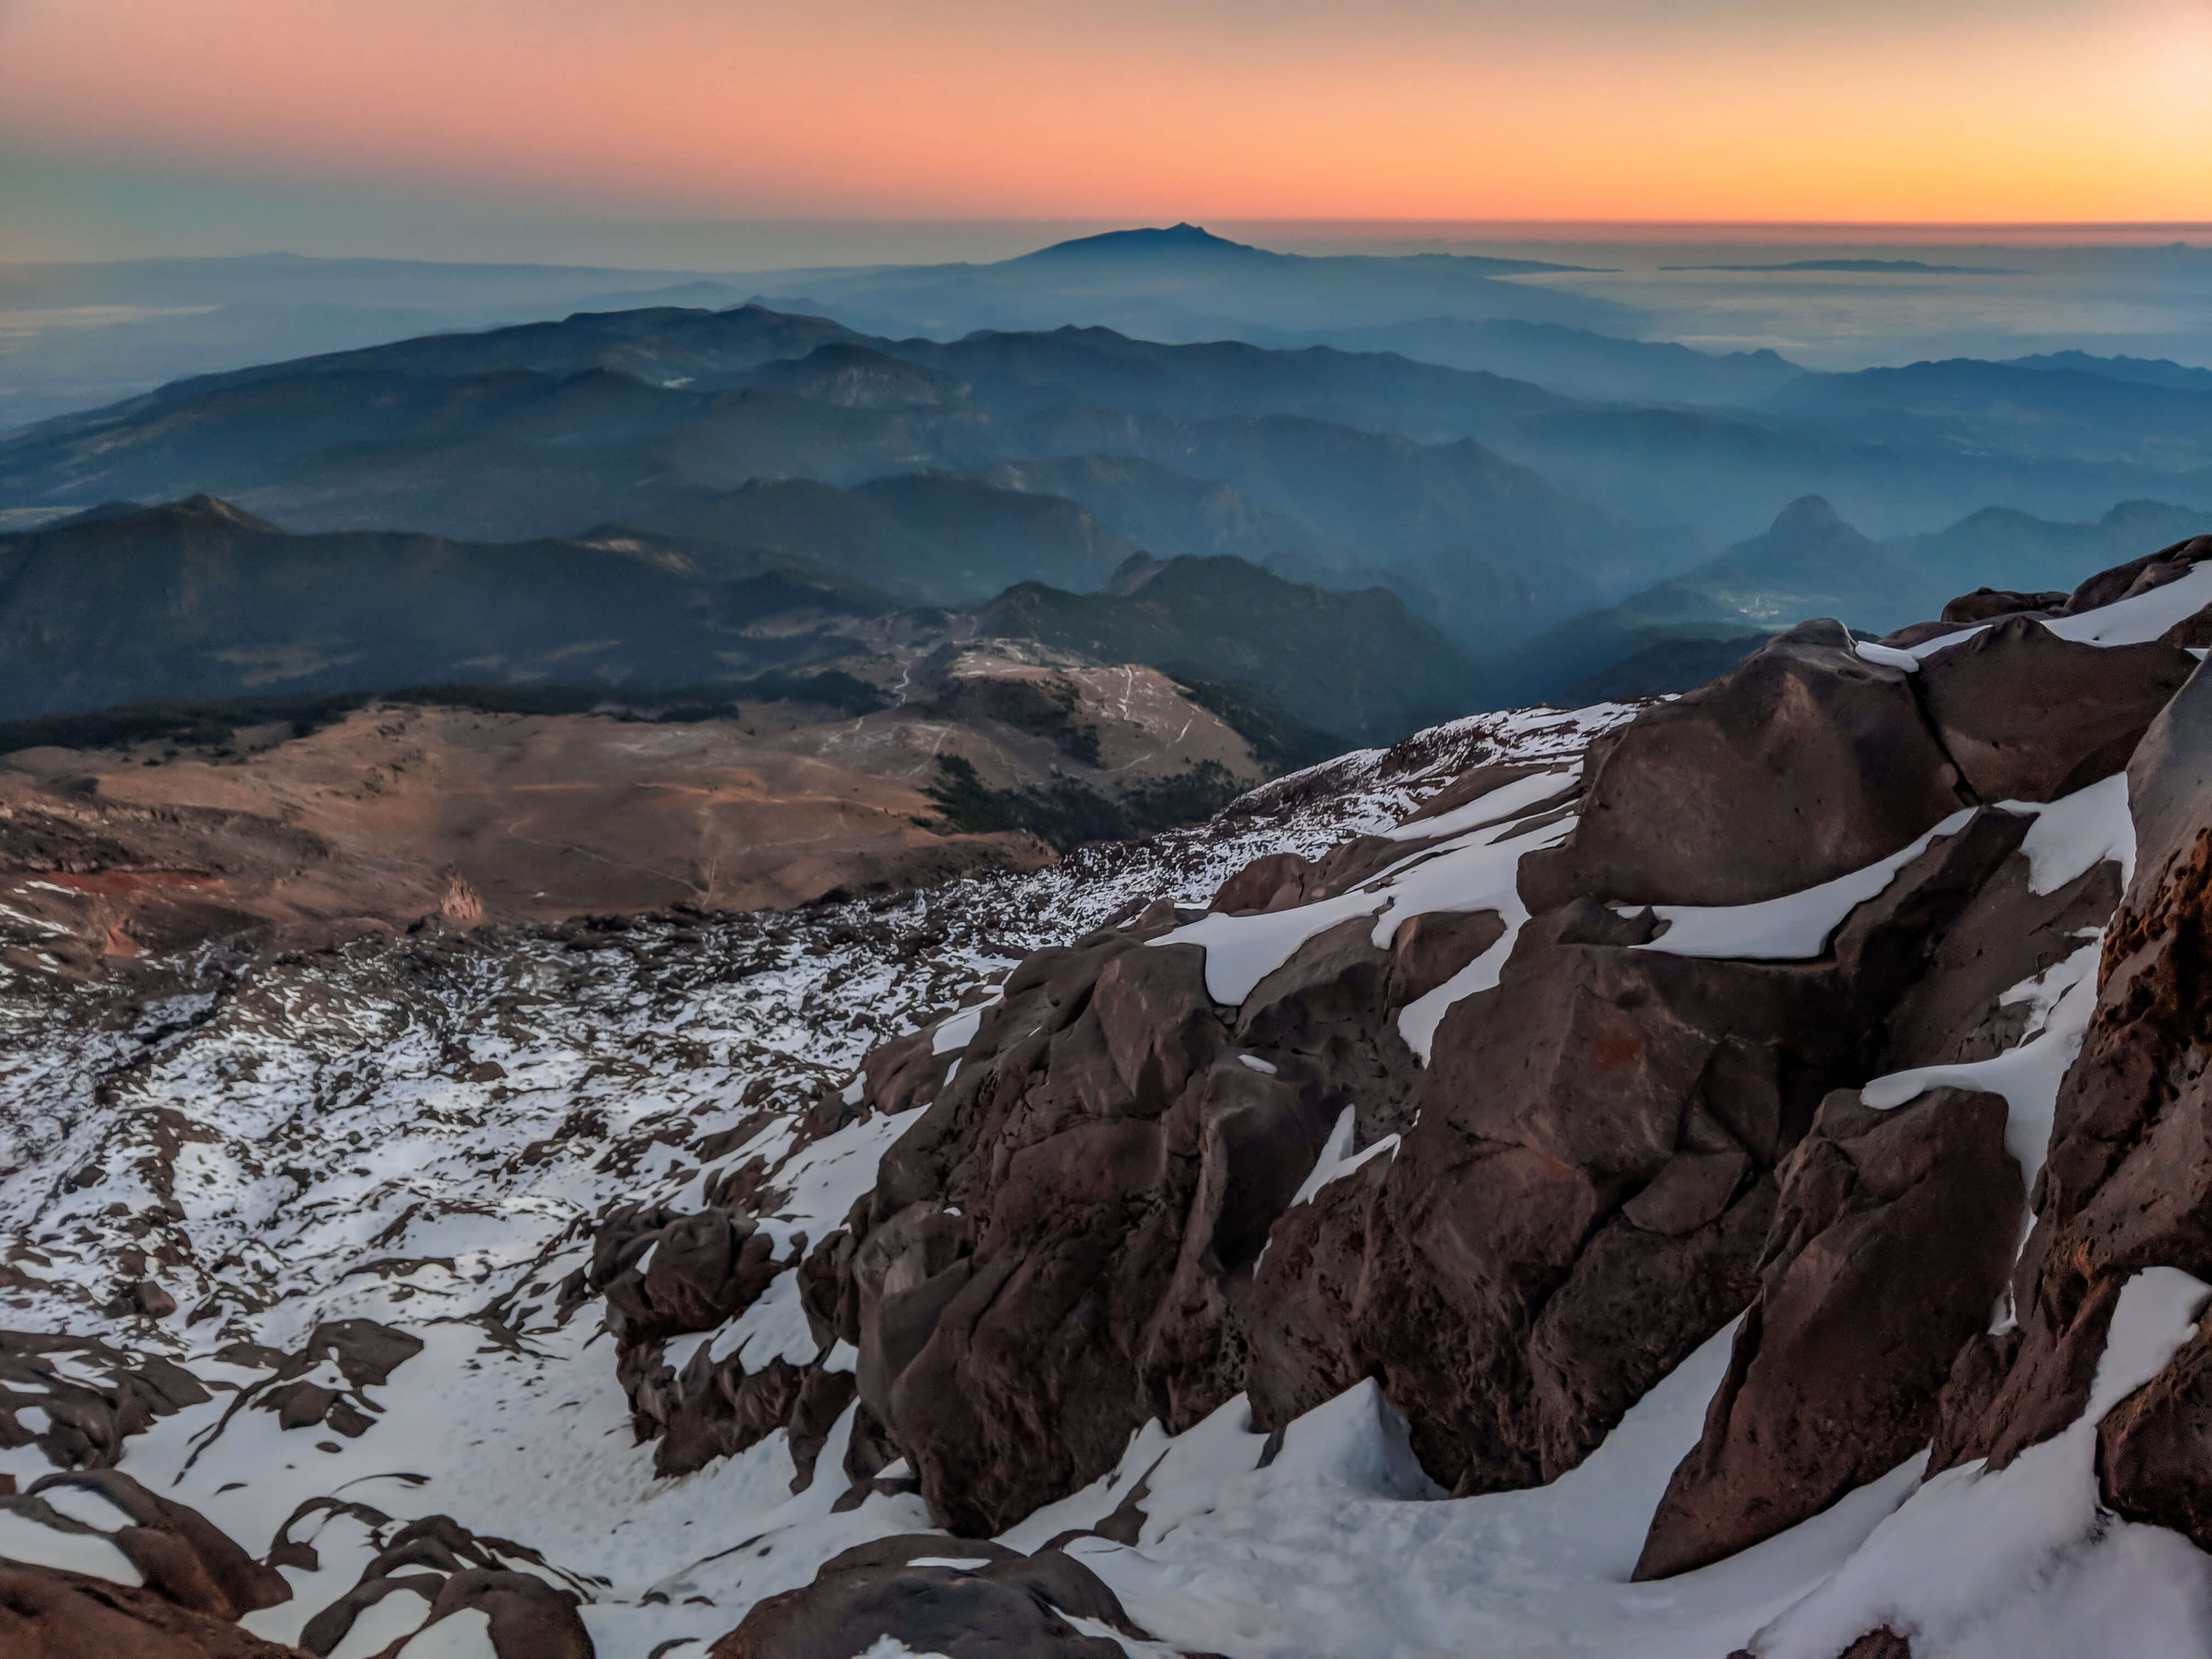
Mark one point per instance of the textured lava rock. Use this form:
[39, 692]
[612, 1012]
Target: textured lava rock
[1988, 604]
[1275, 881]
[86, 1423]
[1587, 1195]
[1583, 1198]
[2128, 1181]
[528, 1618]
[449, 1569]
[1803, 763]
[2005, 932]
[1428, 950]
[1309, 1291]
[365, 1354]
[1059, 1249]
[46, 1614]
[1891, 1240]
[182, 1555]
[2029, 716]
[1008, 1604]
[703, 1269]
[2154, 1448]
[2124, 582]
[664, 1275]
[723, 1410]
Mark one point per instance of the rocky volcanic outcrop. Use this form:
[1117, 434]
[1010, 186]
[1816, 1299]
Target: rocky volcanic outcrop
[324, 1384]
[1121, 1197]
[46, 1614]
[94, 1567]
[1806, 762]
[963, 1601]
[2127, 1184]
[1893, 1235]
[82, 1422]
[171, 1548]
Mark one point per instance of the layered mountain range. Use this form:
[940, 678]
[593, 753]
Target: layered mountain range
[1714, 1175]
[646, 498]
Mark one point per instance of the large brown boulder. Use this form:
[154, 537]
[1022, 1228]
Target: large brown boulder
[1583, 1200]
[997, 1604]
[2154, 1448]
[1803, 763]
[1061, 1246]
[525, 1617]
[47, 1614]
[178, 1552]
[1988, 604]
[2153, 570]
[1892, 1238]
[436, 1568]
[2030, 716]
[697, 1271]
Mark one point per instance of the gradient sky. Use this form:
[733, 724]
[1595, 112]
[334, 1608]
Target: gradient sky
[385, 112]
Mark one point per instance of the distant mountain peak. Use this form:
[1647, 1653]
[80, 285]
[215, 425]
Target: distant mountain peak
[201, 508]
[1184, 239]
[213, 509]
[1807, 513]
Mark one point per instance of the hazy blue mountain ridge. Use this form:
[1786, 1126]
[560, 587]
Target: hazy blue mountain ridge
[198, 600]
[1810, 563]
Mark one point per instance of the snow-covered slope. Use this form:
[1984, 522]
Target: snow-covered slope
[419, 1132]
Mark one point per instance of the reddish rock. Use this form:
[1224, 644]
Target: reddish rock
[2128, 1181]
[2153, 570]
[704, 1269]
[1309, 1288]
[86, 1423]
[1803, 763]
[2154, 1448]
[2029, 716]
[181, 1554]
[1428, 950]
[528, 1618]
[1988, 604]
[1580, 1204]
[1891, 1240]
[1324, 1021]
[1274, 881]
[1013, 1604]
[48, 1614]
[450, 1569]
[1075, 1218]
[2192, 632]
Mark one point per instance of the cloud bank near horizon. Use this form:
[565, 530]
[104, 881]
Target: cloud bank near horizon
[685, 110]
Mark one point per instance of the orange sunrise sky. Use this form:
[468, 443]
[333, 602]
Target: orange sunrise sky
[1880, 111]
